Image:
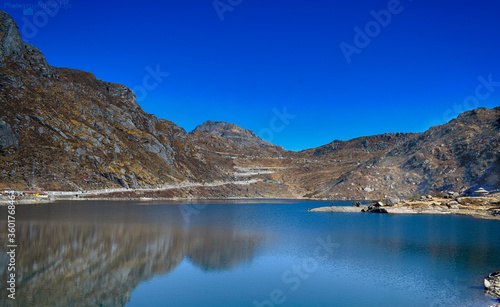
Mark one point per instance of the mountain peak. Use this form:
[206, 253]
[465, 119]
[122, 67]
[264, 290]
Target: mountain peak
[216, 126]
[14, 50]
[231, 132]
[225, 129]
[11, 42]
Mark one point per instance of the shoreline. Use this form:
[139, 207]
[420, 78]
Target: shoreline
[436, 207]
[153, 199]
[395, 211]
[37, 201]
[477, 207]
[149, 199]
[27, 201]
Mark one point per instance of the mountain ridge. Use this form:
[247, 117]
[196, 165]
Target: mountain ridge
[78, 133]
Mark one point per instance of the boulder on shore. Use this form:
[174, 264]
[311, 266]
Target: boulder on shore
[391, 201]
[374, 208]
[492, 284]
[356, 204]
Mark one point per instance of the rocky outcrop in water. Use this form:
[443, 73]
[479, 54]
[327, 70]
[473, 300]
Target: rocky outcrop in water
[374, 208]
[492, 285]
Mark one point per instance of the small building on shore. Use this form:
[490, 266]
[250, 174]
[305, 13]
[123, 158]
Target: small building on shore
[30, 193]
[481, 192]
[40, 194]
[43, 194]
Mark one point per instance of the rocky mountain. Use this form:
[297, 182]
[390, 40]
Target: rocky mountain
[63, 129]
[460, 155]
[230, 138]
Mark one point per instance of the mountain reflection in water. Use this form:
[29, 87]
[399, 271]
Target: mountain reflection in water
[95, 263]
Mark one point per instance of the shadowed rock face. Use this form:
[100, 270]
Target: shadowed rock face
[8, 141]
[11, 43]
[90, 264]
[14, 49]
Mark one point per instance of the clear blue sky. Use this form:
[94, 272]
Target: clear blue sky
[418, 69]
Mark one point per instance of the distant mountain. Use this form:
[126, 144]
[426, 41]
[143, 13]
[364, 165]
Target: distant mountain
[232, 132]
[366, 146]
[228, 137]
[461, 155]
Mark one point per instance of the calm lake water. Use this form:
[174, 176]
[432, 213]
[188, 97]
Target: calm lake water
[248, 253]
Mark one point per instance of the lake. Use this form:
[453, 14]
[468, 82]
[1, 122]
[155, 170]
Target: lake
[244, 253]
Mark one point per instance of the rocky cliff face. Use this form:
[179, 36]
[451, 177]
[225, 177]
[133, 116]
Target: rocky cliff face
[13, 49]
[80, 132]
